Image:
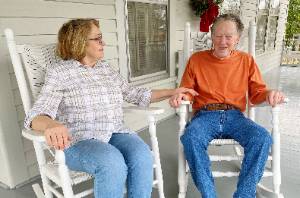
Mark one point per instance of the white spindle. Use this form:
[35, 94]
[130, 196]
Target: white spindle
[186, 42]
[276, 150]
[251, 50]
[18, 69]
[41, 162]
[154, 142]
[252, 38]
[182, 175]
[64, 174]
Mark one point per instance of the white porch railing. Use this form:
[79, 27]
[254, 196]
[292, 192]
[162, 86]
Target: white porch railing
[291, 58]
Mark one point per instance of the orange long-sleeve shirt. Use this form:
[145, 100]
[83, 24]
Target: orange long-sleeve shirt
[224, 80]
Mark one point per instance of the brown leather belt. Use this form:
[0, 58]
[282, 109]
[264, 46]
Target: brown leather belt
[217, 107]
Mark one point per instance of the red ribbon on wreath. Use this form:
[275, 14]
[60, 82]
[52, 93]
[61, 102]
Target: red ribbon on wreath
[207, 18]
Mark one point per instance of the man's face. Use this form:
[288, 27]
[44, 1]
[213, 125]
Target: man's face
[224, 38]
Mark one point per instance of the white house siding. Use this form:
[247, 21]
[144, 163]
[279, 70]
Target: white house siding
[37, 22]
[248, 9]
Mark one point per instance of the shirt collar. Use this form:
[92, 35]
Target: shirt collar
[232, 54]
[99, 63]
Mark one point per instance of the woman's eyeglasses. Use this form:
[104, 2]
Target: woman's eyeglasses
[98, 39]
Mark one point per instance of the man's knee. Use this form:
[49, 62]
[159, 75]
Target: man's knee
[265, 137]
[193, 136]
[261, 137]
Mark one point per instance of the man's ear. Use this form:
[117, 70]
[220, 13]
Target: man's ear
[238, 38]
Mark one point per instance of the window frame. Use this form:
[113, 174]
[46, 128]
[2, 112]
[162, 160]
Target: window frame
[152, 76]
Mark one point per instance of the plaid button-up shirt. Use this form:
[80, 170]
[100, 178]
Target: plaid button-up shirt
[87, 100]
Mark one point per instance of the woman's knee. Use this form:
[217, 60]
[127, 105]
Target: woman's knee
[110, 176]
[111, 164]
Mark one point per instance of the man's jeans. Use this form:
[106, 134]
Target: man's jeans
[208, 125]
[125, 156]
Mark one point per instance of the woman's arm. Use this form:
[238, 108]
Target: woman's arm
[143, 96]
[42, 122]
[161, 94]
[56, 134]
[41, 116]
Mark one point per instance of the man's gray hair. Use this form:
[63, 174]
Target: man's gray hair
[228, 17]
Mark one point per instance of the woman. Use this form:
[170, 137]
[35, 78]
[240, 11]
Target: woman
[85, 95]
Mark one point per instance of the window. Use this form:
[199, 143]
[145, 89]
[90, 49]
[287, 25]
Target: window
[230, 6]
[273, 23]
[271, 38]
[147, 39]
[267, 22]
[262, 22]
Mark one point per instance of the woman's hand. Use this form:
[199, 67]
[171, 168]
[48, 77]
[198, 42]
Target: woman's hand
[161, 94]
[184, 90]
[275, 97]
[57, 135]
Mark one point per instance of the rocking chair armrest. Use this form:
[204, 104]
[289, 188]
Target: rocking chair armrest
[265, 104]
[39, 136]
[34, 135]
[184, 106]
[186, 102]
[144, 110]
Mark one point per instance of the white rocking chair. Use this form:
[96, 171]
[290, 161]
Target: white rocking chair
[190, 41]
[30, 63]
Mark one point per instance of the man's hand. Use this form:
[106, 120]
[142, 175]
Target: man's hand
[275, 97]
[57, 135]
[181, 93]
[176, 100]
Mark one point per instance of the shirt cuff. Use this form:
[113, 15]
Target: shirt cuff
[32, 115]
[146, 99]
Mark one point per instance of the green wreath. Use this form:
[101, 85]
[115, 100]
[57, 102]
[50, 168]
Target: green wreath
[200, 6]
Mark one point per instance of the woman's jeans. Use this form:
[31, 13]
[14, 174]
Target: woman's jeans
[125, 156]
[208, 125]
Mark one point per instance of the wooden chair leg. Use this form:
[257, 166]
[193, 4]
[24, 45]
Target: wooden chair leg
[64, 174]
[182, 175]
[182, 172]
[155, 149]
[276, 151]
[38, 191]
[275, 192]
[41, 162]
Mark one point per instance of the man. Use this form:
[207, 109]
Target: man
[222, 76]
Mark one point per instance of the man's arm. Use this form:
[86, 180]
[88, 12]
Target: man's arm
[257, 89]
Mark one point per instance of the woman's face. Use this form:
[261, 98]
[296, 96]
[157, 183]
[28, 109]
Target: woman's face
[225, 38]
[95, 44]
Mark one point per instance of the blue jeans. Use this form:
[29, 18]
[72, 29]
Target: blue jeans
[208, 125]
[125, 156]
